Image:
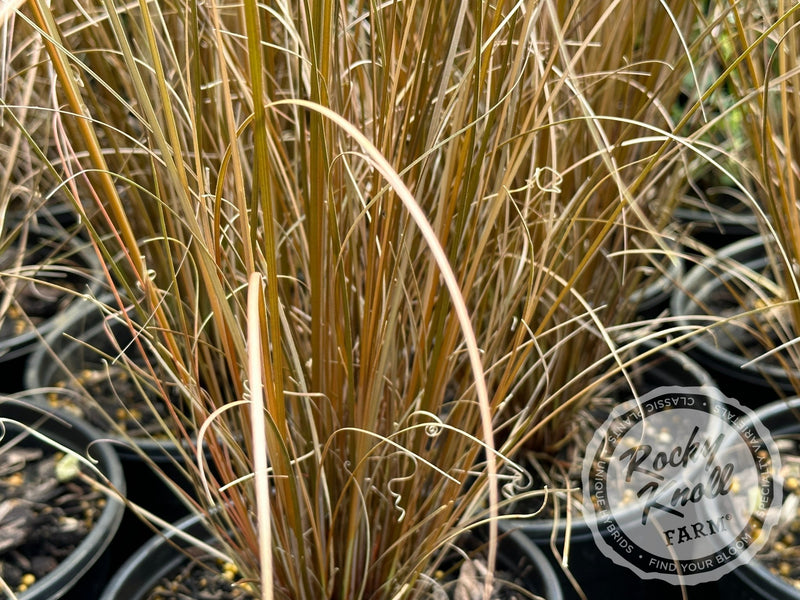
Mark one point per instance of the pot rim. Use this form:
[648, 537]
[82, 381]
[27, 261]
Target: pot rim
[65, 428]
[160, 451]
[699, 284]
[581, 528]
[20, 345]
[754, 573]
[195, 524]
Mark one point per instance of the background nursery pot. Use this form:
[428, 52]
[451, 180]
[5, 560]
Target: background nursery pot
[754, 580]
[710, 288]
[55, 258]
[82, 573]
[719, 220]
[597, 575]
[84, 349]
[159, 559]
[652, 299]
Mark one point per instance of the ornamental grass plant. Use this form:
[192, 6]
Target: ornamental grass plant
[384, 252]
[754, 83]
[757, 51]
[765, 80]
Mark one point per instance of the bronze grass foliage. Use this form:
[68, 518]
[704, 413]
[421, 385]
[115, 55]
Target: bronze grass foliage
[366, 239]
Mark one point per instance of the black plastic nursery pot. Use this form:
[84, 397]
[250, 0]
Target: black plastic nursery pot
[517, 548]
[85, 571]
[82, 341]
[704, 292]
[753, 580]
[654, 298]
[50, 212]
[719, 229]
[160, 557]
[718, 217]
[596, 574]
[77, 262]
